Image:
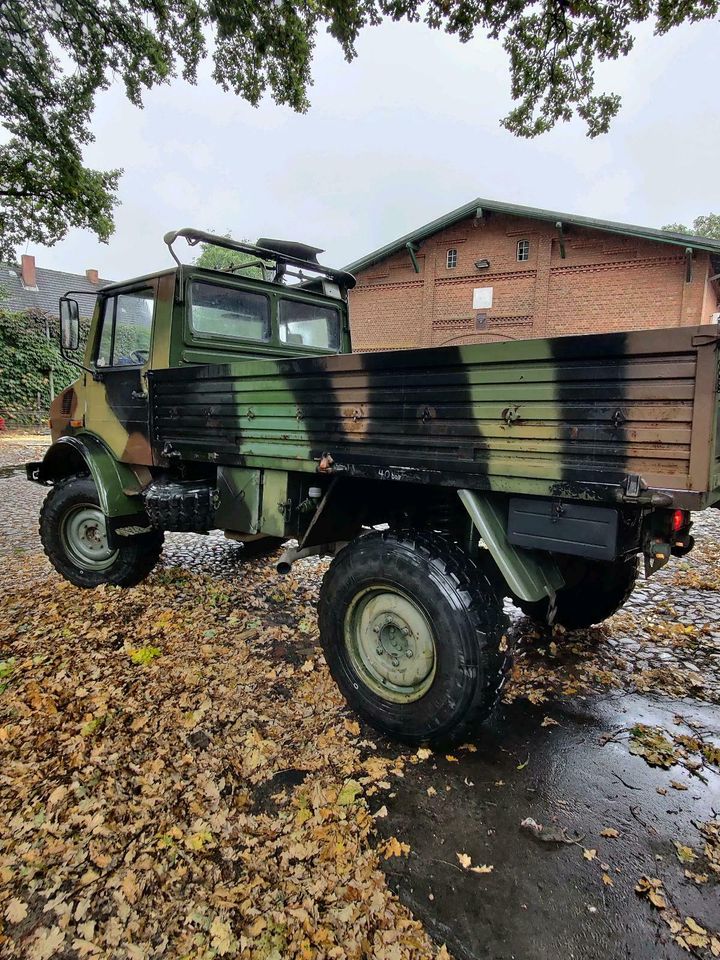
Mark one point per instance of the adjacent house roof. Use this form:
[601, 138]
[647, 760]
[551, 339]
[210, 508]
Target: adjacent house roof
[479, 205]
[50, 286]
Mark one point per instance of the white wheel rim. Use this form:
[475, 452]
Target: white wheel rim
[84, 537]
[391, 644]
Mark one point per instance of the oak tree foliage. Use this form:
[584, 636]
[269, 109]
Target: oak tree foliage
[213, 257]
[708, 226]
[56, 55]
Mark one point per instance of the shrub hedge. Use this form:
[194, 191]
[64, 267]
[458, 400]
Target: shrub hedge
[26, 357]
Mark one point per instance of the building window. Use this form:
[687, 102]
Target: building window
[451, 258]
[523, 250]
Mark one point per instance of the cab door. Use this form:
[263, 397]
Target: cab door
[117, 401]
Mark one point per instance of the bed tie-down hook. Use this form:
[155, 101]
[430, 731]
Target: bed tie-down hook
[511, 414]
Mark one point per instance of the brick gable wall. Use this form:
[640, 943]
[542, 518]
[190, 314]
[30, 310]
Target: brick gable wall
[604, 282]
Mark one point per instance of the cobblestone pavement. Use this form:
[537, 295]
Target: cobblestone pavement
[18, 447]
[666, 639]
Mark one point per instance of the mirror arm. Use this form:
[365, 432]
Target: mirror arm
[94, 372]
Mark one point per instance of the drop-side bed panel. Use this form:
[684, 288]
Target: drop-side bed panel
[570, 415]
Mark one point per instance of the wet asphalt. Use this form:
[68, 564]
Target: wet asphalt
[545, 900]
[541, 901]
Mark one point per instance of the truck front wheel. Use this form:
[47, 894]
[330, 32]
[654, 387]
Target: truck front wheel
[74, 538]
[412, 632]
[595, 591]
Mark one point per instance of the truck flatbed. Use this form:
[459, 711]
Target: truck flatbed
[576, 417]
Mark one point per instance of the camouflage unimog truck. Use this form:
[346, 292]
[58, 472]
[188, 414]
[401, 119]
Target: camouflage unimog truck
[440, 481]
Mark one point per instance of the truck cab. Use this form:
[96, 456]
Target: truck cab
[192, 315]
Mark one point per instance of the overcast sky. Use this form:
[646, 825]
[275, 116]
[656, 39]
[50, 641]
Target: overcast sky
[403, 134]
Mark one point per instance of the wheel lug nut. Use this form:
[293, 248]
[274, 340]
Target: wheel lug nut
[380, 651]
[395, 662]
[408, 653]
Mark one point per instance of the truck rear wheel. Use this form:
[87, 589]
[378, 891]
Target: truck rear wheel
[412, 632]
[596, 591]
[74, 538]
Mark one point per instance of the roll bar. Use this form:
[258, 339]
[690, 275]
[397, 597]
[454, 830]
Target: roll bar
[285, 252]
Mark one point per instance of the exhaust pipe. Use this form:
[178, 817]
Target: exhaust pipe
[288, 558]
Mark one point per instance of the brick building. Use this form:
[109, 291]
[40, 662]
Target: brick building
[493, 270]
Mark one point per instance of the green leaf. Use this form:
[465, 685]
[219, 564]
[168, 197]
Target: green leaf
[349, 793]
[144, 655]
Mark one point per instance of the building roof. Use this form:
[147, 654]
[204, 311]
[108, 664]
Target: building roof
[534, 213]
[51, 285]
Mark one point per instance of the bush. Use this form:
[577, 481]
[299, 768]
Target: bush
[26, 358]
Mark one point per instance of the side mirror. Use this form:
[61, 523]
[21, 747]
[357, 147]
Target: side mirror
[69, 324]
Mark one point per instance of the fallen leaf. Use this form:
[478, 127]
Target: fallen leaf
[46, 944]
[657, 899]
[483, 868]
[394, 848]
[589, 854]
[431, 792]
[549, 722]
[144, 655]
[222, 938]
[465, 860]
[683, 853]
[451, 759]
[16, 910]
[607, 880]
[349, 793]
[651, 888]
[609, 832]
[382, 812]
[677, 785]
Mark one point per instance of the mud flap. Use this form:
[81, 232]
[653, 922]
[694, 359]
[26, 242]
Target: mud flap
[530, 574]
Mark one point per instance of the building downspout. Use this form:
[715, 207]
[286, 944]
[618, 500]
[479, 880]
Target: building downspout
[412, 249]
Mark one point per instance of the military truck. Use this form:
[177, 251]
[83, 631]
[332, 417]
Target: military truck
[440, 481]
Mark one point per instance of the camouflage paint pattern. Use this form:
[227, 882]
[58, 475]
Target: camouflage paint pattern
[571, 417]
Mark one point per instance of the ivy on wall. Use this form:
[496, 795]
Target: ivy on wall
[26, 358]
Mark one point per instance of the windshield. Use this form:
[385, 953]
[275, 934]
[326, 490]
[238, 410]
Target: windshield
[309, 325]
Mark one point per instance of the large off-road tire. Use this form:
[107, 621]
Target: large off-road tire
[412, 632]
[595, 591]
[74, 537]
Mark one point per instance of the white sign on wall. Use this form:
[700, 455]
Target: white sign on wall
[482, 298]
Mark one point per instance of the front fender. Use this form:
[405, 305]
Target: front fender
[117, 485]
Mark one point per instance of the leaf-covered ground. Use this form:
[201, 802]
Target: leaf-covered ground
[179, 778]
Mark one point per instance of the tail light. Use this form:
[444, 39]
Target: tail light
[680, 520]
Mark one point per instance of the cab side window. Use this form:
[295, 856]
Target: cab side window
[126, 328]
